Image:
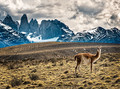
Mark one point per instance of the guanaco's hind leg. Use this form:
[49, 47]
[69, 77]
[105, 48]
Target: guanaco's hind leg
[78, 64]
[91, 66]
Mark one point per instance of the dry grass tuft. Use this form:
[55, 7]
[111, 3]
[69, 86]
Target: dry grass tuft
[16, 81]
[34, 77]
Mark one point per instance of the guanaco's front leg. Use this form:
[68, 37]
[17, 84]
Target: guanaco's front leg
[91, 66]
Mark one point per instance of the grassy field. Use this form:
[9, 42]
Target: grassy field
[58, 73]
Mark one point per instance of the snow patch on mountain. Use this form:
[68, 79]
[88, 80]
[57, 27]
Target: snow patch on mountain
[5, 26]
[39, 39]
[90, 31]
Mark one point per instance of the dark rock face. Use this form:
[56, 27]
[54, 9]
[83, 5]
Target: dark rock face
[24, 25]
[99, 35]
[9, 37]
[9, 21]
[53, 28]
[34, 27]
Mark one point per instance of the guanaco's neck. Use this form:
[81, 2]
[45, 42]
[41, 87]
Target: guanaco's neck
[98, 54]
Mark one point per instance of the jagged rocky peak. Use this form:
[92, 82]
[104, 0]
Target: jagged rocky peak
[7, 18]
[101, 30]
[24, 25]
[94, 30]
[24, 18]
[53, 28]
[115, 30]
[34, 22]
[10, 37]
[31, 20]
[34, 26]
[9, 21]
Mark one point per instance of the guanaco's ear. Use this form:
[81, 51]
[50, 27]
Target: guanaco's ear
[98, 48]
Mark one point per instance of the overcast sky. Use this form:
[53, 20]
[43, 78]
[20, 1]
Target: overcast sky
[77, 14]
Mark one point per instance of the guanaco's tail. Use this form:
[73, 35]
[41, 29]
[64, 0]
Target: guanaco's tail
[75, 57]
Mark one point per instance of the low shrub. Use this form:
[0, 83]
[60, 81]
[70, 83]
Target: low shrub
[34, 77]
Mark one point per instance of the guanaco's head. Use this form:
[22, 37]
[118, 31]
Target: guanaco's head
[99, 49]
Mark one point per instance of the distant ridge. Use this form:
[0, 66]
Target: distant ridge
[99, 35]
[52, 30]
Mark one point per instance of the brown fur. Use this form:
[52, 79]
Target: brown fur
[87, 58]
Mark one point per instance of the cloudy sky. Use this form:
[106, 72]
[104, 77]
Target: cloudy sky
[77, 14]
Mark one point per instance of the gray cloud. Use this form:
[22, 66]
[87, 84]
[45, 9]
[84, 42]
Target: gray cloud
[39, 15]
[77, 14]
[25, 11]
[44, 6]
[89, 10]
[114, 17]
[4, 10]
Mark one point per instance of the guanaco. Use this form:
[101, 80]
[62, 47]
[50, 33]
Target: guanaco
[87, 58]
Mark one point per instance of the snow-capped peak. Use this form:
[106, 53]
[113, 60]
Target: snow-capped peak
[5, 26]
[9, 37]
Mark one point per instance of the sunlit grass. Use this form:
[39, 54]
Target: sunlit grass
[60, 74]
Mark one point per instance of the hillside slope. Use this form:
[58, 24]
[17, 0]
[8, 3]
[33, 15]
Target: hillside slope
[51, 66]
[50, 50]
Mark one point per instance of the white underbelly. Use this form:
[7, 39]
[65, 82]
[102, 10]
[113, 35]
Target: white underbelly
[85, 61]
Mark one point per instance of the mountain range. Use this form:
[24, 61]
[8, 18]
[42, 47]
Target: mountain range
[14, 33]
[99, 35]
